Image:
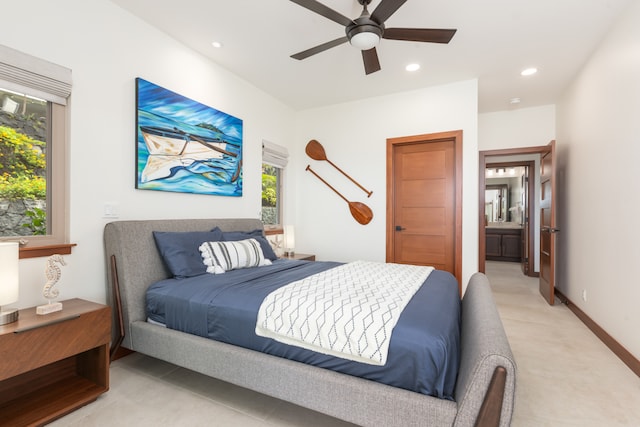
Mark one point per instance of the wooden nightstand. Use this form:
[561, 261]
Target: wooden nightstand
[53, 364]
[305, 257]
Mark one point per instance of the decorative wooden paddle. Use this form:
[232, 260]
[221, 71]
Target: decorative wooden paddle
[315, 150]
[360, 212]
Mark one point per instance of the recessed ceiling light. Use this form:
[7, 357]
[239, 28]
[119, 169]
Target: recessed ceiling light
[216, 44]
[529, 71]
[412, 67]
[514, 101]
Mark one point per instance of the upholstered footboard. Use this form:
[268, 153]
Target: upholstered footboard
[133, 263]
[486, 378]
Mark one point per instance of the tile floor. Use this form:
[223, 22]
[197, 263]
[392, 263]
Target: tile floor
[566, 377]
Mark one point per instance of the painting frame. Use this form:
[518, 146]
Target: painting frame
[185, 146]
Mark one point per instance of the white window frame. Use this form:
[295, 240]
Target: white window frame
[278, 157]
[34, 76]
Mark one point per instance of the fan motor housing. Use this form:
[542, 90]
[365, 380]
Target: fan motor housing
[364, 24]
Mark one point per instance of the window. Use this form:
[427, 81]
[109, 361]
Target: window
[33, 120]
[271, 184]
[274, 159]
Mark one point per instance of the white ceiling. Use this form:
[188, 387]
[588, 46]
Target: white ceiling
[496, 39]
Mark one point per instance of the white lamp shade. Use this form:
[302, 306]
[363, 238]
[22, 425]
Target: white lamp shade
[9, 264]
[289, 237]
[365, 40]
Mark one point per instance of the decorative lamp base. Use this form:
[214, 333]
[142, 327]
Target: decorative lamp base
[52, 307]
[8, 315]
[289, 253]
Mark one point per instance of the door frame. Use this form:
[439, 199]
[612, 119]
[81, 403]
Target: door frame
[482, 157]
[456, 138]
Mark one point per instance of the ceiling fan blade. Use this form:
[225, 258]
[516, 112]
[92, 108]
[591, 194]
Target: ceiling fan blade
[325, 11]
[320, 48]
[371, 62]
[429, 35]
[385, 9]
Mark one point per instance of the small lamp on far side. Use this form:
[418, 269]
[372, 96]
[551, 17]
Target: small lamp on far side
[9, 283]
[289, 241]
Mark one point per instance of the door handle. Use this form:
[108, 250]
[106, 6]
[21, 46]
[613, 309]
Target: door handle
[400, 228]
[550, 230]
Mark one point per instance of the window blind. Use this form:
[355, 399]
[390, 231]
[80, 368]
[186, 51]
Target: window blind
[24, 73]
[274, 154]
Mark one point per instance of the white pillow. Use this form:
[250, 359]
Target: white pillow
[224, 256]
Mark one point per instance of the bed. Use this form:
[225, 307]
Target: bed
[481, 386]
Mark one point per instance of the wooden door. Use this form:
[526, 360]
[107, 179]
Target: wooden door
[525, 222]
[424, 201]
[548, 228]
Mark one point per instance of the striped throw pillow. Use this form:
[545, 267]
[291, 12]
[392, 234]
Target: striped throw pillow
[219, 257]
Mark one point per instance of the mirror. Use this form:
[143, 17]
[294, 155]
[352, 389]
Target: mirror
[505, 194]
[496, 203]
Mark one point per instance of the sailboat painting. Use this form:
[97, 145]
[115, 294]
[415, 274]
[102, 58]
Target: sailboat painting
[185, 146]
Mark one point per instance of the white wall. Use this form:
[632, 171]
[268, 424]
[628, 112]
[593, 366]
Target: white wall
[107, 48]
[517, 128]
[354, 137]
[599, 147]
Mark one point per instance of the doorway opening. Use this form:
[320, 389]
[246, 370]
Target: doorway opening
[509, 222]
[510, 213]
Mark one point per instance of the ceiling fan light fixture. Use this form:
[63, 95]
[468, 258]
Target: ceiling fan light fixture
[364, 37]
[365, 32]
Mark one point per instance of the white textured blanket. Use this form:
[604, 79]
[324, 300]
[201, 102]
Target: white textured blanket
[348, 311]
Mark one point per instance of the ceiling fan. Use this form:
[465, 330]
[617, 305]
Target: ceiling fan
[366, 31]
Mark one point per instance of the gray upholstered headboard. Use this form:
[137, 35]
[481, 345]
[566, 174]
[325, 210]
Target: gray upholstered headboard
[129, 245]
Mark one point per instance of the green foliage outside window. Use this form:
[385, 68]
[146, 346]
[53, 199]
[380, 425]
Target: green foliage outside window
[269, 186]
[22, 166]
[37, 221]
[270, 213]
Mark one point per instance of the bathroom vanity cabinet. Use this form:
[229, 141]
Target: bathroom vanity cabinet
[504, 244]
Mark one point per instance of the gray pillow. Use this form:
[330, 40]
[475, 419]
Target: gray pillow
[180, 252]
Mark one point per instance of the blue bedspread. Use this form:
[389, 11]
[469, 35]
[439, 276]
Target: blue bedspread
[424, 349]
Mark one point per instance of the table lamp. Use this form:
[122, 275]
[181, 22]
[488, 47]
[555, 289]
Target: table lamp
[9, 283]
[289, 241]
